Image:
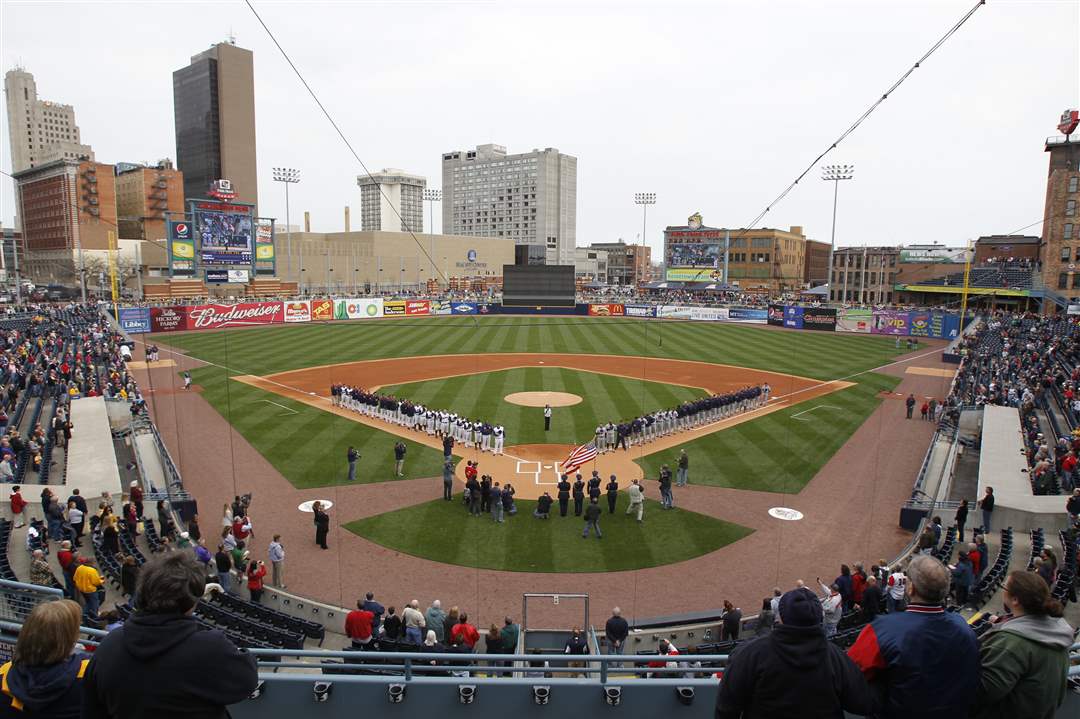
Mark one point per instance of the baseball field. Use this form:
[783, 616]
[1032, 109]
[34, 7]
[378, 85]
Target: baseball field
[272, 385]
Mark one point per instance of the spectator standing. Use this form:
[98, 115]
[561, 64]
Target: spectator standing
[793, 671]
[434, 617]
[359, 626]
[88, 582]
[44, 677]
[1025, 656]
[616, 630]
[896, 598]
[766, 619]
[576, 646]
[161, 661]
[399, 460]
[276, 552]
[255, 573]
[832, 607]
[730, 622]
[223, 565]
[509, 634]
[961, 519]
[963, 577]
[871, 599]
[465, 633]
[986, 504]
[129, 577]
[18, 507]
[393, 627]
[922, 662]
[40, 572]
[376, 609]
[415, 624]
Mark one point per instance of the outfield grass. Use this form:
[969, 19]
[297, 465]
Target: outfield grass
[309, 448]
[776, 453]
[443, 532]
[605, 399]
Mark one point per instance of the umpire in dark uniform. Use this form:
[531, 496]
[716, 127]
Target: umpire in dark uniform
[564, 495]
[612, 493]
[579, 495]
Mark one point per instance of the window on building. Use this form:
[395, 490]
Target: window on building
[1066, 253]
[1067, 233]
[1073, 181]
[1070, 208]
[1063, 281]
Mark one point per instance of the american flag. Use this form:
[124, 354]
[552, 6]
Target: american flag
[579, 456]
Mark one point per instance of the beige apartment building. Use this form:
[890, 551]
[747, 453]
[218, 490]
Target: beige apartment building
[864, 275]
[40, 131]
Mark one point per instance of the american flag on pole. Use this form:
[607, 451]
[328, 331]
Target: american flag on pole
[579, 456]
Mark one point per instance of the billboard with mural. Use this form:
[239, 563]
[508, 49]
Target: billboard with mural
[793, 317]
[297, 312]
[819, 318]
[890, 322]
[358, 309]
[181, 249]
[853, 320]
[245, 314]
[927, 324]
[322, 310]
[775, 315]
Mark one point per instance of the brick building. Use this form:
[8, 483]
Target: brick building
[1061, 233]
[143, 196]
[817, 263]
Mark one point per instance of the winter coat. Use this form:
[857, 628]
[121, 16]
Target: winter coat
[53, 691]
[791, 672]
[1023, 665]
[166, 665]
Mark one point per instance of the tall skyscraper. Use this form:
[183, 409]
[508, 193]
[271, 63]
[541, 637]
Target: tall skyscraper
[530, 198]
[399, 191]
[214, 111]
[40, 131]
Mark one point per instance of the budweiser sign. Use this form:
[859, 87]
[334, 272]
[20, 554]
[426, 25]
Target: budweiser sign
[206, 317]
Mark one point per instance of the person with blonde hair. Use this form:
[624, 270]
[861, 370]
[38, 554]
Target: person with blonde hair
[43, 679]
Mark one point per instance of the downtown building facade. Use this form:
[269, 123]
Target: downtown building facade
[1061, 228]
[530, 198]
[145, 195]
[864, 275]
[40, 131]
[392, 201]
[214, 115]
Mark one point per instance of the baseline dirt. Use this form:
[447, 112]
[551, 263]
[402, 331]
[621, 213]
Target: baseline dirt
[534, 470]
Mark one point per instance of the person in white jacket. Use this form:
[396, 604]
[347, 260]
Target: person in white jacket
[637, 500]
[832, 605]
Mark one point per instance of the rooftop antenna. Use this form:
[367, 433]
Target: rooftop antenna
[232, 37]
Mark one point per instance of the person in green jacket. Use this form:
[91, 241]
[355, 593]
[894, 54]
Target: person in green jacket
[509, 635]
[1024, 657]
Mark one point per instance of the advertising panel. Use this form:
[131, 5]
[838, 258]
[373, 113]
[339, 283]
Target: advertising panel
[927, 324]
[181, 249]
[855, 320]
[639, 310]
[134, 320]
[417, 307]
[484, 308]
[393, 308]
[951, 327]
[673, 312]
[606, 310]
[225, 233]
[890, 322]
[359, 309]
[793, 317]
[245, 314]
[819, 318]
[264, 247]
[696, 254]
[217, 277]
[168, 319]
[463, 308]
[776, 315]
[747, 314]
[322, 310]
[692, 274]
[297, 312]
[441, 307]
[709, 314]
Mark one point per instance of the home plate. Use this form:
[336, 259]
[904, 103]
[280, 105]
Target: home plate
[541, 362]
[311, 393]
[547, 466]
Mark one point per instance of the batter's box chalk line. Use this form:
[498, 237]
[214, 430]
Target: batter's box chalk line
[798, 415]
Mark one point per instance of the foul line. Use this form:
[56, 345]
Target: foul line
[287, 409]
[808, 411]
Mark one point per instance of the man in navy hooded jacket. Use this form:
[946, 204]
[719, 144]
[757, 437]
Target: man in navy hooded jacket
[161, 662]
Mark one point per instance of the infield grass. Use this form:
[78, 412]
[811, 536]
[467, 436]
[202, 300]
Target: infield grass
[444, 532]
[605, 398]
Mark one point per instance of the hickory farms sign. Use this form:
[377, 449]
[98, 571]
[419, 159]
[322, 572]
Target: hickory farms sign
[168, 319]
[204, 317]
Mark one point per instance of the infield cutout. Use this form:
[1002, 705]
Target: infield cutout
[785, 513]
[309, 506]
[539, 399]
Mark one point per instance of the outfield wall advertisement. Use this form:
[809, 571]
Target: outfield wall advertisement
[358, 309]
[709, 314]
[606, 310]
[639, 310]
[851, 320]
[775, 316]
[297, 311]
[890, 322]
[819, 318]
[135, 320]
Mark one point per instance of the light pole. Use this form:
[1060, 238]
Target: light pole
[432, 196]
[289, 176]
[644, 199]
[833, 174]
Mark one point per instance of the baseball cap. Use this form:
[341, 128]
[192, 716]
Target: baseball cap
[800, 608]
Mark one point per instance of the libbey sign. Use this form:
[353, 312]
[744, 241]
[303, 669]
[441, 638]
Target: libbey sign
[1070, 119]
[206, 317]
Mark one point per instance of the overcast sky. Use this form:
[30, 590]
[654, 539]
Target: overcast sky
[716, 106]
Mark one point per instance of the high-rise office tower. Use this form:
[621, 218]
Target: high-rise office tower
[387, 194]
[41, 131]
[214, 110]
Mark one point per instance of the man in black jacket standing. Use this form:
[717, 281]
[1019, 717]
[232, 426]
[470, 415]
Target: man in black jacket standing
[612, 488]
[579, 495]
[616, 630]
[793, 671]
[564, 495]
[161, 662]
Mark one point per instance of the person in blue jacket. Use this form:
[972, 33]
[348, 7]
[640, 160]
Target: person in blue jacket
[44, 679]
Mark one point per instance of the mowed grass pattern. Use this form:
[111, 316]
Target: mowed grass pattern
[308, 448]
[443, 532]
[606, 398]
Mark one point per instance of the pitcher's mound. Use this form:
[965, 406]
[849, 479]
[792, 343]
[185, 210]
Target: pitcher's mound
[539, 399]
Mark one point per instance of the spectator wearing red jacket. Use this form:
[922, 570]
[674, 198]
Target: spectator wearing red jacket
[465, 632]
[18, 507]
[358, 625]
[858, 583]
[255, 573]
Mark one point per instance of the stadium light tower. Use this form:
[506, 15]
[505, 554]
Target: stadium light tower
[289, 176]
[833, 174]
[431, 196]
[644, 199]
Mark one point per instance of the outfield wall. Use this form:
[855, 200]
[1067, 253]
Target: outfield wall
[184, 318]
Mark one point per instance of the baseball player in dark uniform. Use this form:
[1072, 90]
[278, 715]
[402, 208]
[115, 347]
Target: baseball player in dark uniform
[612, 493]
[579, 495]
[564, 495]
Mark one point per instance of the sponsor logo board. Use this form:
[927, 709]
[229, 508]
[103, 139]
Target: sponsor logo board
[134, 320]
[322, 310]
[463, 308]
[393, 308]
[709, 314]
[441, 307]
[358, 309]
[890, 322]
[208, 317]
[775, 316]
[297, 312]
[855, 320]
[168, 319]
[793, 317]
[819, 318]
[639, 311]
[417, 307]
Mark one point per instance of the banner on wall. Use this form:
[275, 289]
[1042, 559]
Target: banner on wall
[245, 314]
[463, 308]
[134, 320]
[776, 315]
[793, 317]
[639, 310]
[264, 247]
[927, 324]
[747, 314]
[393, 308]
[855, 320]
[297, 312]
[358, 309]
[819, 318]
[709, 314]
[441, 307]
[417, 307]
[484, 308]
[322, 310]
[168, 319]
[607, 310]
[181, 248]
[673, 312]
[890, 322]
[951, 327]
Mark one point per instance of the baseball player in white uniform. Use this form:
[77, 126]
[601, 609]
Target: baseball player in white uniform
[498, 433]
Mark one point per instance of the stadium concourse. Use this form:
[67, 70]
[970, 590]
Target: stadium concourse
[849, 514]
